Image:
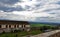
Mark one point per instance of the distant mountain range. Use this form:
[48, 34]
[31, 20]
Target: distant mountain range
[44, 23]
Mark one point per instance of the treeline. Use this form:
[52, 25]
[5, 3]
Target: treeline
[45, 28]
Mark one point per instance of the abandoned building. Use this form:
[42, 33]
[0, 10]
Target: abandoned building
[8, 25]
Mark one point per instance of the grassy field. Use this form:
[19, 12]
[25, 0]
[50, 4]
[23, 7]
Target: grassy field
[39, 25]
[20, 34]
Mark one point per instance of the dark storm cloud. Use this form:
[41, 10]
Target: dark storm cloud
[10, 9]
[9, 1]
[5, 8]
[58, 2]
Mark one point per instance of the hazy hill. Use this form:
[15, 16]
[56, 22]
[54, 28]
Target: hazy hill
[44, 23]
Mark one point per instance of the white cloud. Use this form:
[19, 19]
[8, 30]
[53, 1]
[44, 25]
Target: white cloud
[34, 10]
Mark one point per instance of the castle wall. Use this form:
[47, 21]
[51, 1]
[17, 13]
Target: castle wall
[7, 26]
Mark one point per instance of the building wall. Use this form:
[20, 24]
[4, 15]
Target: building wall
[13, 25]
[7, 28]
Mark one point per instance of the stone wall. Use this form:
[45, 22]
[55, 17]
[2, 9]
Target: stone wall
[55, 35]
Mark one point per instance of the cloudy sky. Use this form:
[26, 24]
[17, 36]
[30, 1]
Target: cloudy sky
[30, 10]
